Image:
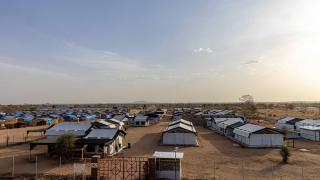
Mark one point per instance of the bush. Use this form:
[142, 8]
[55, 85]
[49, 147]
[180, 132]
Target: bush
[65, 145]
[285, 153]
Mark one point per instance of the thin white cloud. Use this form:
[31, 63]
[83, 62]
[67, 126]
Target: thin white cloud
[251, 62]
[208, 50]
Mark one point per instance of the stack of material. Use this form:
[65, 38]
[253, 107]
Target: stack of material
[10, 121]
[55, 121]
[31, 123]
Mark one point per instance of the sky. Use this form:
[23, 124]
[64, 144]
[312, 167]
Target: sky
[159, 51]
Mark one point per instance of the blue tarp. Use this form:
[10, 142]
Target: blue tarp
[87, 117]
[103, 116]
[55, 117]
[28, 118]
[8, 117]
[67, 118]
[48, 120]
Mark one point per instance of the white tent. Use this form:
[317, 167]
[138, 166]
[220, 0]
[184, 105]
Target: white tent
[179, 133]
[257, 136]
[222, 125]
[310, 132]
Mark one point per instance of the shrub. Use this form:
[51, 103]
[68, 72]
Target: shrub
[285, 153]
[65, 145]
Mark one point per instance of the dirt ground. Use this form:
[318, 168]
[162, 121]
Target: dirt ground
[215, 156]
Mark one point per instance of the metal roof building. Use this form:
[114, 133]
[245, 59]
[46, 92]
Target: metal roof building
[168, 165]
[102, 124]
[257, 136]
[71, 128]
[141, 121]
[179, 133]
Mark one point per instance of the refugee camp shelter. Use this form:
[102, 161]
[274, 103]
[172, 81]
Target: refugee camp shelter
[103, 141]
[309, 129]
[222, 126]
[141, 121]
[231, 127]
[216, 121]
[102, 124]
[117, 123]
[71, 128]
[257, 136]
[307, 122]
[131, 119]
[122, 118]
[179, 133]
[168, 165]
[289, 122]
[70, 118]
[310, 132]
[153, 118]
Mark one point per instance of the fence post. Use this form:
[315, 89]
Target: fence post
[242, 172]
[187, 169]
[152, 168]
[95, 175]
[272, 169]
[214, 169]
[36, 167]
[12, 166]
[60, 168]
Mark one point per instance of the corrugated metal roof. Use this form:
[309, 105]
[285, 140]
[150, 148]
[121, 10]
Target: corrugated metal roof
[115, 121]
[58, 133]
[102, 133]
[228, 122]
[181, 121]
[141, 118]
[284, 120]
[235, 125]
[247, 129]
[180, 125]
[168, 155]
[104, 123]
[71, 126]
[312, 128]
[310, 121]
[119, 117]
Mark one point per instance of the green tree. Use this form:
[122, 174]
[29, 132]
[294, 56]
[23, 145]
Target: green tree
[285, 130]
[54, 106]
[65, 145]
[285, 154]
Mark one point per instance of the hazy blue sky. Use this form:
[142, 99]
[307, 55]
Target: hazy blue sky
[165, 51]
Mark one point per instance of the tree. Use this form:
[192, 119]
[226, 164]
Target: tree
[285, 130]
[54, 106]
[285, 153]
[248, 104]
[65, 145]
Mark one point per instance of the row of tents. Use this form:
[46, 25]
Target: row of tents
[300, 128]
[248, 135]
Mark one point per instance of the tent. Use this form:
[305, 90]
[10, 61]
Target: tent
[257, 136]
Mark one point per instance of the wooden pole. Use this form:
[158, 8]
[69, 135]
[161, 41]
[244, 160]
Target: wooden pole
[12, 166]
[60, 168]
[242, 172]
[214, 169]
[36, 167]
[272, 169]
